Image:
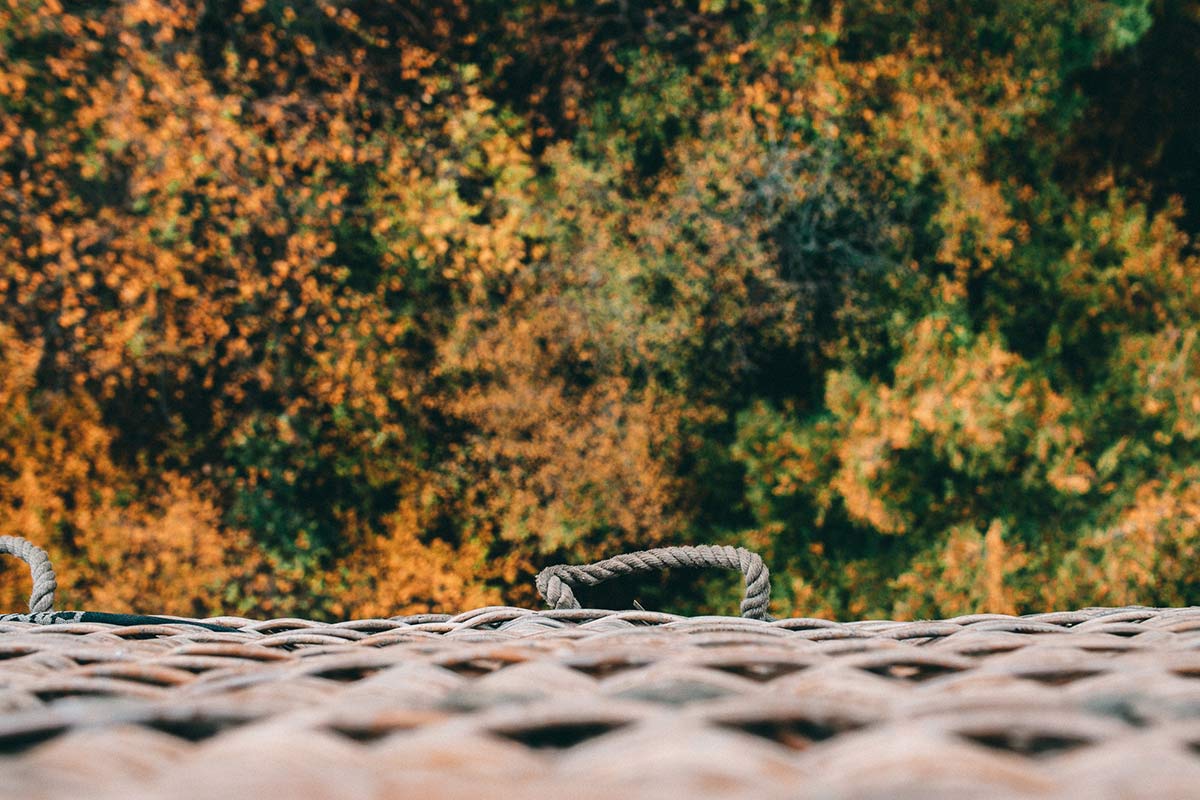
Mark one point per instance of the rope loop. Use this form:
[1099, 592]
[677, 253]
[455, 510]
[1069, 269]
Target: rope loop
[556, 584]
[44, 579]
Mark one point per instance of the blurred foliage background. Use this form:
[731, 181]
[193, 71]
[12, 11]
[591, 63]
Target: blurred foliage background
[368, 307]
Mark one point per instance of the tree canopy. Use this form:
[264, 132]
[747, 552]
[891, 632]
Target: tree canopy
[367, 307]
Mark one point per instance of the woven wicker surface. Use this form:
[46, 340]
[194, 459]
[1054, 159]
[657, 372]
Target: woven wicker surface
[505, 702]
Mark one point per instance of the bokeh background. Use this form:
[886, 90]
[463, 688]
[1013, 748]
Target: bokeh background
[339, 309]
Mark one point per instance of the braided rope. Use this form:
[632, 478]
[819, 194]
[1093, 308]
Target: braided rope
[44, 579]
[556, 584]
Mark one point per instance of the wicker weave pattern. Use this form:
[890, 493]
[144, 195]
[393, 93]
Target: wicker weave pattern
[507, 702]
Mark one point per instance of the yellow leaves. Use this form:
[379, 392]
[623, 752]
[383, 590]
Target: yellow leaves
[67, 486]
[997, 563]
[1165, 368]
[1147, 276]
[18, 365]
[397, 572]
[958, 400]
[807, 600]
[1145, 557]
[305, 46]
[1070, 474]
[931, 126]
[855, 485]
[970, 573]
[975, 223]
[463, 221]
[174, 553]
[337, 255]
[553, 467]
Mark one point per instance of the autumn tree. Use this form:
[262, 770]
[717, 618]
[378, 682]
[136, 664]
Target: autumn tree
[345, 308]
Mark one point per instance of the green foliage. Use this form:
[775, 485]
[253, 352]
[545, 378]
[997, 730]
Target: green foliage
[405, 300]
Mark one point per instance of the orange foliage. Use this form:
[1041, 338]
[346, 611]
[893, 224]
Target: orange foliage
[62, 488]
[337, 310]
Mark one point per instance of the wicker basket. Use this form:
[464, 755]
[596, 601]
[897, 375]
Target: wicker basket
[578, 703]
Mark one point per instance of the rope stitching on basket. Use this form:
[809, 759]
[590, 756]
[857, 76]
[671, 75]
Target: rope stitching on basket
[556, 584]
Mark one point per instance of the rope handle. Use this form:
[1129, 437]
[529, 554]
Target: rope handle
[44, 579]
[556, 584]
